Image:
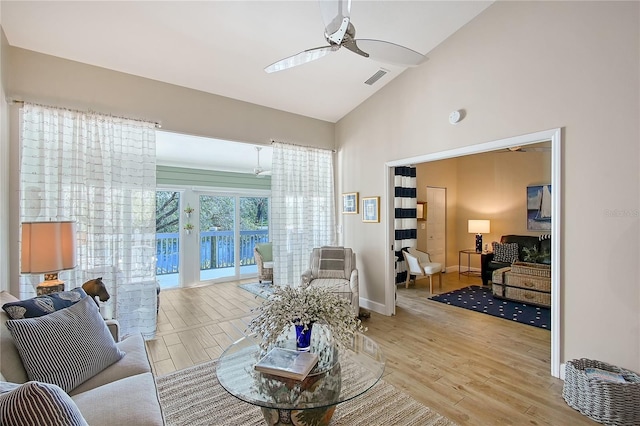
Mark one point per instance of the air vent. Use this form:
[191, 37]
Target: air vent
[377, 76]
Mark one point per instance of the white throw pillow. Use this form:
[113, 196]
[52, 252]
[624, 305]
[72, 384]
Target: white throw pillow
[35, 403]
[66, 347]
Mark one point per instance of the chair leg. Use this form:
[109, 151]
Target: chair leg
[440, 279]
[406, 284]
[431, 283]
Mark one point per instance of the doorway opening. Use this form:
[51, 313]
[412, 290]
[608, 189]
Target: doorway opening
[554, 136]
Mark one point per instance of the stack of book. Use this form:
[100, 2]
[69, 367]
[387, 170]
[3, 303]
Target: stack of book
[287, 363]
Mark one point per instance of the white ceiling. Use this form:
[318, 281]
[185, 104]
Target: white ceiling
[222, 47]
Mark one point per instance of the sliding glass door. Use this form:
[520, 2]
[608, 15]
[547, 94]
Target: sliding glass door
[167, 253]
[217, 237]
[230, 226]
[204, 237]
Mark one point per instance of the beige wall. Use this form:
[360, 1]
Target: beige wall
[50, 80]
[518, 68]
[483, 186]
[440, 174]
[4, 169]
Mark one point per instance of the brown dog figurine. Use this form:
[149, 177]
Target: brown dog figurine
[95, 288]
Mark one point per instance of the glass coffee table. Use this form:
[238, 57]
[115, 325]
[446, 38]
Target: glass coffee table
[341, 374]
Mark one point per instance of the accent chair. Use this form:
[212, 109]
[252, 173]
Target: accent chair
[419, 264]
[263, 254]
[334, 268]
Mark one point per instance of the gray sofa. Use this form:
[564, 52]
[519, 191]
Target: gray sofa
[123, 393]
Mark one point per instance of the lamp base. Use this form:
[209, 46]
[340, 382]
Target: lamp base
[479, 243]
[51, 284]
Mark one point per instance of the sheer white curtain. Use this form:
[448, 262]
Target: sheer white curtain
[99, 171]
[302, 210]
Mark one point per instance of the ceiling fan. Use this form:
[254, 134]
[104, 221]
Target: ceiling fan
[340, 32]
[259, 171]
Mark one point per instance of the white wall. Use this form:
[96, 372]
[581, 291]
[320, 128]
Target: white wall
[518, 68]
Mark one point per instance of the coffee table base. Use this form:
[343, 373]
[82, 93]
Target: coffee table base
[315, 416]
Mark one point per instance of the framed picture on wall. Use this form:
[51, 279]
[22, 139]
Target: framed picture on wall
[350, 203]
[539, 208]
[371, 209]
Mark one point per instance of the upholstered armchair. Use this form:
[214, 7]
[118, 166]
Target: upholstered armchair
[334, 268]
[263, 254]
[419, 264]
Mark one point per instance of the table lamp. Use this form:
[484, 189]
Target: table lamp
[479, 227]
[48, 248]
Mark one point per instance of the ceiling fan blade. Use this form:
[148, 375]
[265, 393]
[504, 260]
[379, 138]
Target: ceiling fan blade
[301, 58]
[333, 14]
[391, 53]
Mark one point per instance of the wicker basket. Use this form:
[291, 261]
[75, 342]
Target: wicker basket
[529, 282]
[535, 269]
[531, 297]
[498, 275]
[605, 402]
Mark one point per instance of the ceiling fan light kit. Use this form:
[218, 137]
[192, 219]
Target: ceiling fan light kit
[340, 32]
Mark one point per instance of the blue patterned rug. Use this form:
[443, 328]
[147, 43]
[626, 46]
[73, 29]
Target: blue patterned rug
[481, 299]
[263, 290]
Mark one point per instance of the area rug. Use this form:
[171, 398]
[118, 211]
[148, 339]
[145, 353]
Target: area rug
[194, 397]
[480, 299]
[259, 289]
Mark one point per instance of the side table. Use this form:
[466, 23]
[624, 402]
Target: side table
[468, 272]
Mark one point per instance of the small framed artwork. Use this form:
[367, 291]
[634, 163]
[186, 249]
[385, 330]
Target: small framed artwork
[371, 209]
[350, 203]
[539, 208]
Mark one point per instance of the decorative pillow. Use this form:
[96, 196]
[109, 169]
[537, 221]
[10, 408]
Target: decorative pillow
[43, 305]
[36, 403]
[7, 387]
[67, 347]
[507, 253]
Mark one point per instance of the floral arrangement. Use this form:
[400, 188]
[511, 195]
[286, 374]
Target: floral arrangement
[188, 209]
[188, 227]
[301, 306]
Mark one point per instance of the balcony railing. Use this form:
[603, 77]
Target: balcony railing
[216, 249]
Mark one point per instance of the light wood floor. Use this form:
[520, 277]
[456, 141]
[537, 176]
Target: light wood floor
[470, 367]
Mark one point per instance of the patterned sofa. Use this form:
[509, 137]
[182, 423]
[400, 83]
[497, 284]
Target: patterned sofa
[530, 248]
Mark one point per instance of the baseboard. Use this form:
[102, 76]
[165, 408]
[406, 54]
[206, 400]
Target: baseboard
[372, 306]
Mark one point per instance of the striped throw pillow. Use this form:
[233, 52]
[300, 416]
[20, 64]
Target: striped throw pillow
[35, 403]
[66, 347]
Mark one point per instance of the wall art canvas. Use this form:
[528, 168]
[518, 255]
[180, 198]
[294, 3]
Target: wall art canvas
[539, 208]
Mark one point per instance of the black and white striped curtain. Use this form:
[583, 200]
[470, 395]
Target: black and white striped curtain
[405, 223]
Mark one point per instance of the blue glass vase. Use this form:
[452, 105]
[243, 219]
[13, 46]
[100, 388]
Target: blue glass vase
[303, 337]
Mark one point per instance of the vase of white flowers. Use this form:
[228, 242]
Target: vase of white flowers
[304, 307]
